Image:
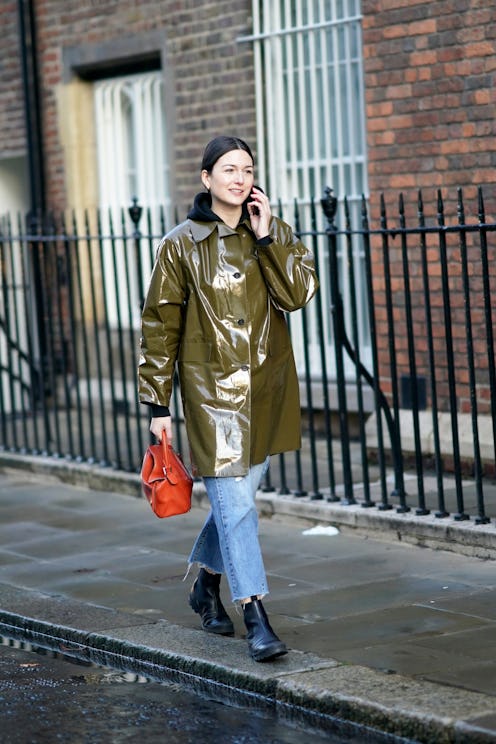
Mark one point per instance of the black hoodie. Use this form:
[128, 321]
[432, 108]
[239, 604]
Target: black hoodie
[201, 211]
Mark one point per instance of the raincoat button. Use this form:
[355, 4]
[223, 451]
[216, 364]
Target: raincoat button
[244, 367]
[237, 275]
[241, 321]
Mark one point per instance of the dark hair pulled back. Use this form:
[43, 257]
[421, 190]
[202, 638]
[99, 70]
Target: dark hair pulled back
[218, 147]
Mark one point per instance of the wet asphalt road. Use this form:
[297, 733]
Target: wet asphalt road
[46, 698]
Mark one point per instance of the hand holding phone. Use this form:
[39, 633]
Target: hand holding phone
[260, 212]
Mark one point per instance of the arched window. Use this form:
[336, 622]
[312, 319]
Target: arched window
[132, 152]
[131, 132]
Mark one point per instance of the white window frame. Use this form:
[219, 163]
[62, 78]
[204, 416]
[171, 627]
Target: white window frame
[311, 134]
[132, 153]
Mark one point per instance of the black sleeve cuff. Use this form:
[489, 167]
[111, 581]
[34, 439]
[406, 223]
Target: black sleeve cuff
[262, 242]
[157, 411]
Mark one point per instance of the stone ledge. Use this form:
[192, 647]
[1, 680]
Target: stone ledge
[466, 538]
[465, 434]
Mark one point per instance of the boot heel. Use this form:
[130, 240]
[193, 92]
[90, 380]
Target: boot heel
[263, 644]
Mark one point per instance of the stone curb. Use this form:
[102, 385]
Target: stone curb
[318, 692]
[465, 538]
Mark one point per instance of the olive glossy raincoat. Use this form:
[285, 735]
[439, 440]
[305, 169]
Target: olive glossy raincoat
[215, 306]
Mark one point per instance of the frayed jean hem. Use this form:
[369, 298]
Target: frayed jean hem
[228, 542]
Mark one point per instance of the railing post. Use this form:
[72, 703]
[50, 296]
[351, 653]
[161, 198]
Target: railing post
[373, 380]
[412, 366]
[316, 495]
[35, 259]
[394, 423]
[329, 206]
[489, 328]
[482, 519]
[441, 510]
[450, 358]
[367, 501]
[135, 212]
[321, 336]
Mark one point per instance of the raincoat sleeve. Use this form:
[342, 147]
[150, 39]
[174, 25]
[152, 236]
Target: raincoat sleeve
[161, 325]
[288, 268]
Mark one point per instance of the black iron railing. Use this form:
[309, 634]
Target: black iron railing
[401, 415]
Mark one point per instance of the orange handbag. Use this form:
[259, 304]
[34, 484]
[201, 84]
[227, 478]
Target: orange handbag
[165, 480]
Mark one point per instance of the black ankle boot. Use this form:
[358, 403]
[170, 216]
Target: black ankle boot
[263, 644]
[205, 599]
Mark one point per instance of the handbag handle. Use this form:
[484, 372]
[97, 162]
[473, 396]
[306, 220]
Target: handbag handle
[165, 448]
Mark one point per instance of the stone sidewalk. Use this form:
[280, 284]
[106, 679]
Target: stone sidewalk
[391, 637]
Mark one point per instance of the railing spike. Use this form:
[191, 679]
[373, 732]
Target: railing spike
[459, 207]
[135, 212]
[329, 205]
[383, 213]
[296, 217]
[481, 208]
[420, 203]
[383, 207]
[440, 206]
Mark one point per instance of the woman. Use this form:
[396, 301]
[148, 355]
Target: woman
[221, 283]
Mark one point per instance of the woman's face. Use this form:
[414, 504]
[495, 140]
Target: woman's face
[231, 179]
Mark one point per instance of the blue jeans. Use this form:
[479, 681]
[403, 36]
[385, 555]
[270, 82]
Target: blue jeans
[228, 542]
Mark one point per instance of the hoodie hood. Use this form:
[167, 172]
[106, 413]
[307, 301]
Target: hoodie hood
[201, 211]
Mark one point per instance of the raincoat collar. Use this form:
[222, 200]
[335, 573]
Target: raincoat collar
[203, 221]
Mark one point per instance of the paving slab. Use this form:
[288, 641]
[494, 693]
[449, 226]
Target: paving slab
[393, 637]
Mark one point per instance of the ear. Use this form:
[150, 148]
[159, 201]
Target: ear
[205, 179]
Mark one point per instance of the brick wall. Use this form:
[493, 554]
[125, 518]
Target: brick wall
[430, 73]
[430, 95]
[12, 140]
[212, 72]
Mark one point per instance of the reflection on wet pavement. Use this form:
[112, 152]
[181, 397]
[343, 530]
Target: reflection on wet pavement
[48, 697]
